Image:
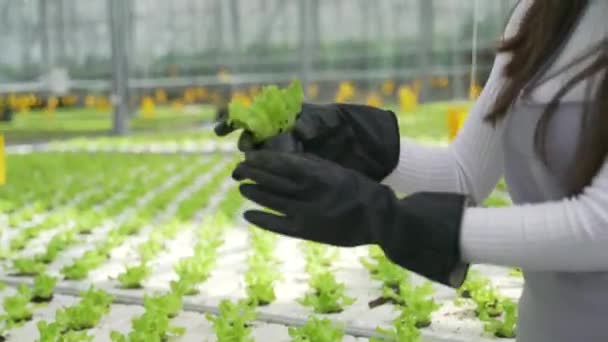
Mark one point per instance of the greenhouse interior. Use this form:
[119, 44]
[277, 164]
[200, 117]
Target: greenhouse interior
[120, 216]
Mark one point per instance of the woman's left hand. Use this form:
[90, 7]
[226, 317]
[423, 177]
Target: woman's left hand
[318, 200]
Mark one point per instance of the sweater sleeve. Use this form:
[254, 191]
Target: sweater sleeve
[565, 236]
[473, 163]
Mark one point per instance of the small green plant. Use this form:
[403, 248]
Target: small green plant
[150, 249]
[419, 301]
[260, 285]
[384, 270]
[79, 270]
[326, 295]
[170, 303]
[403, 329]
[317, 330]
[87, 313]
[28, 267]
[273, 111]
[193, 271]
[487, 301]
[17, 308]
[58, 243]
[318, 257]
[233, 324]
[42, 290]
[133, 276]
[505, 327]
[53, 333]
[474, 281]
[151, 326]
[18, 242]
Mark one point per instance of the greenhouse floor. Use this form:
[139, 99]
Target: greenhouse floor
[169, 189]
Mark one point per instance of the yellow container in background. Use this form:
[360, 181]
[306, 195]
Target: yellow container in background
[456, 116]
[408, 99]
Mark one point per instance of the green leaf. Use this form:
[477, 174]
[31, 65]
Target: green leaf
[28, 266]
[43, 287]
[419, 300]
[327, 295]
[403, 329]
[170, 304]
[317, 330]
[17, 308]
[272, 112]
[233, 322]
[133, 276]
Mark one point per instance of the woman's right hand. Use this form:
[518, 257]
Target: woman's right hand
[362, 138]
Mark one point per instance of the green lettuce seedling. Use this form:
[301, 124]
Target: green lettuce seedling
[28, 267]
[319, 255]
[43, 288]
[260, 285]
[403, 329]
[171, 304]
[87, 313]
[474, 281]
[419, 301]
[317, 330]
[79, 270]
[488, 302]
[133, 276]
[272, 112]
[58, 243]
[17, 308]
[384, 270]
[152, 326]
[505, 328]
[327, 295]
[53, 333]
[150, 248]
[233, 324]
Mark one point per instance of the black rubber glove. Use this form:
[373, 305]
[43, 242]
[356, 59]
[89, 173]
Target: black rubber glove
[362, 138]
[321, 201]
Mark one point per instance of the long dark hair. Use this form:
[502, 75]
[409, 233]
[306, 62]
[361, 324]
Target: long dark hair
[544, 29]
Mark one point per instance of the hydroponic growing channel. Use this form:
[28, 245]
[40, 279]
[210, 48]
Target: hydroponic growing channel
[145, 247]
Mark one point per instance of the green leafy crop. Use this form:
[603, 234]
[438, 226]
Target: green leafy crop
[43, 288]
[57, 244]
[505, 327]
[317, 330]
[80, 268]
[53, 333]
[28, 267]
[260, 284]
[384, 270]
[170, 304]
[233, 324]
[152, 326]
[327, 295]
[17, 308]
[404, 329]
[150, 248]
[419, 301]
[133, 276]
[87, 313]
[273, 111]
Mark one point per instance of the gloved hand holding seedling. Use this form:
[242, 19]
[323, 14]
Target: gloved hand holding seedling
[272, 112]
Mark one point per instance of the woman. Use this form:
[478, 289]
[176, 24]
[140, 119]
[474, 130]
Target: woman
[541, 122]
